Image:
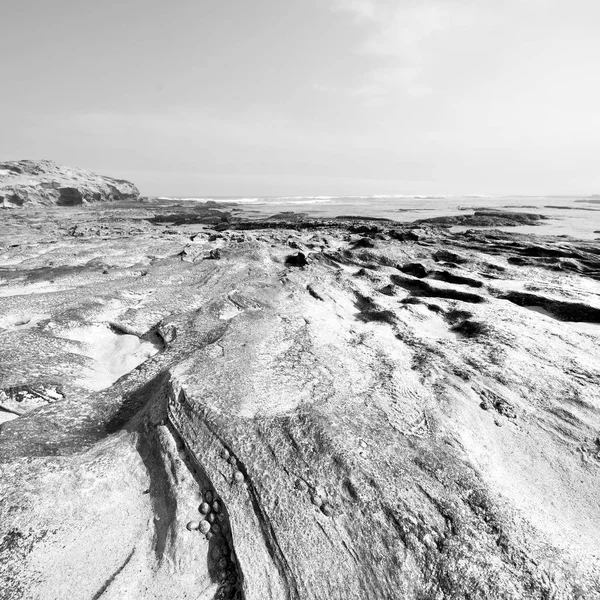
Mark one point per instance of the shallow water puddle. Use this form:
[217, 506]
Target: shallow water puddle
[114, 354]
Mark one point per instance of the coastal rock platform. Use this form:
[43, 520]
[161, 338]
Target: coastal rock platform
[208, 407]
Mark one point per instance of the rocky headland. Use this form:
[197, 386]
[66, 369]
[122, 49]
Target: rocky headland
[45, 183]
[201, 406]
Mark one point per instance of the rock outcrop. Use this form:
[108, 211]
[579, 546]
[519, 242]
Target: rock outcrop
[44, 183]
[486, 218]
[347, 426]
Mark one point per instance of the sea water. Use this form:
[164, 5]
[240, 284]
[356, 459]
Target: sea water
[575, 216]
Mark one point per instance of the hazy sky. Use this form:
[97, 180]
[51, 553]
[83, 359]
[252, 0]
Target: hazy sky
[259, 97]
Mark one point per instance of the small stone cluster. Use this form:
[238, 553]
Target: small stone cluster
[213, 520]
[214, 526]
[238, 476]
[318, 497]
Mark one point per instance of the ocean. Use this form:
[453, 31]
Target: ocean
[575, 216]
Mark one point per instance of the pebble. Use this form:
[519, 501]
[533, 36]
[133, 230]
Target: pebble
[301, 485]
[215, 553]
[231, 460]
[193, 525]
[211, 518]
[327, 510]
[204, 526]
[209, 536]
[204, 508]
[182, 455]
[222, 577]
[216, 507]
[216, 528]
[208, 496]
[317, 500]
[223, 563]
[224, 454]
[238, 476]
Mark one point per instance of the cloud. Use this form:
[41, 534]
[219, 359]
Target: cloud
[362, 9]
[385, 80]
[402, 35]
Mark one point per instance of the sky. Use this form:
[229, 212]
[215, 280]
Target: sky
[308, 97]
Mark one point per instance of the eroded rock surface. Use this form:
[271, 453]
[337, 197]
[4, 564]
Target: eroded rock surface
[348, 425]
[44, 183]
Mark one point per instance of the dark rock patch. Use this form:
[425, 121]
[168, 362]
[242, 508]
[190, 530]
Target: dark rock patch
[69, 196]
[449, 277]
[471, 328]
[448, 256]
[562, 310]
[402, 235]
[424, 288]
[415, 269]
[296, 260]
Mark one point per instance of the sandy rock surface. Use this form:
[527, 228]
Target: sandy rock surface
[194, 410]
[44, 183]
